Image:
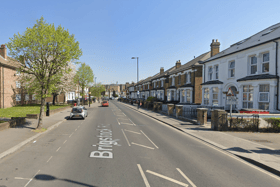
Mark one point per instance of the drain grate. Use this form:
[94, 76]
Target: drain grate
[263, 141]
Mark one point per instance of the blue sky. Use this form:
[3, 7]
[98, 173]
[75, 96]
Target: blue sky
[159, 32]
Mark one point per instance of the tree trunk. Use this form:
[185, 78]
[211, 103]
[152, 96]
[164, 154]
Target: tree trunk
[54, 96]
[42, 108]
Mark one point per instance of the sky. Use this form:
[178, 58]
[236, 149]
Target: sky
[159, 32]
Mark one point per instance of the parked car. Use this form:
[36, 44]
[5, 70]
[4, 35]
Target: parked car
[105, 103]
[78, 112]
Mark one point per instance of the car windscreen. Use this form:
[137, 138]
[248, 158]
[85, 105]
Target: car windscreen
[105, 101]
[77, 110]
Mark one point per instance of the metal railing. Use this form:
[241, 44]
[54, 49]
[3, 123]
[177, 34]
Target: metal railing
[190, 113]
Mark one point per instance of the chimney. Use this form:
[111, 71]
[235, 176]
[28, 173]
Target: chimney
[215, 47]
[178, 64]
[161, 70]
[3, 51]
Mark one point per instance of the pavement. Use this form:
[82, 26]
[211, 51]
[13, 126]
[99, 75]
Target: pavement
[262, 149]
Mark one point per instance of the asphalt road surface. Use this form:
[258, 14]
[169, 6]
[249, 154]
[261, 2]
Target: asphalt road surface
[117, 146]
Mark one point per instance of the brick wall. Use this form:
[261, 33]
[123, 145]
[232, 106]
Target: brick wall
[7, 94]
[198, 86]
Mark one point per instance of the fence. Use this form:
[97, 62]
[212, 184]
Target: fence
[190, 113]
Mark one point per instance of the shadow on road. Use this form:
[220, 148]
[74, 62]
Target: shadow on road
[50, 178]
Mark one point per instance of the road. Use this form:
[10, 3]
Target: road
[117, 146]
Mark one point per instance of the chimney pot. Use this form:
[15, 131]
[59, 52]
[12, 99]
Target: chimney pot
[178, 64]
[3, 51]
[161, 70]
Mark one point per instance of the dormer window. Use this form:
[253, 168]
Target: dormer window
[253, 65]
[210, 73]
[265, 63]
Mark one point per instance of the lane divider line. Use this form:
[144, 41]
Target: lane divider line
[132, 131]
[149, 139]
[142, 145]
[126, 138]
[118, 121]
[167, 178]
[71, 135]
[49, 159]
[32, 178]
[64, 141]
[22, 178]
[126, 123]
[143, 175]
[189, 180]
[58, 149]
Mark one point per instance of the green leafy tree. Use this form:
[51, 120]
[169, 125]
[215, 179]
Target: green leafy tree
[84, 77]
[97, 90]
[43, 53]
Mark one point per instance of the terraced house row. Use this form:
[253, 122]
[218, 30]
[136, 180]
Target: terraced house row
[249, 67]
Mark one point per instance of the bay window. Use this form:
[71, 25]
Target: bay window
[188, 96]
[248, 96]
[264, 97]
[206, 96]
[183, 96]
[215, 95]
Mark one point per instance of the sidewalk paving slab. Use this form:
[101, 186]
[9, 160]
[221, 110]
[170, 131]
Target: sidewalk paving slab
[254, 146]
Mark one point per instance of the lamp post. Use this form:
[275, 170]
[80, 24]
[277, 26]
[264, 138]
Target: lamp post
[137, 73]
[89, 99]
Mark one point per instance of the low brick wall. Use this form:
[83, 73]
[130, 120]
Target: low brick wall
[36, 116]
[15, 121]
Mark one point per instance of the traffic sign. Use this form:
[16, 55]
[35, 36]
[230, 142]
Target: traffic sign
[232, 100]
[230, 92]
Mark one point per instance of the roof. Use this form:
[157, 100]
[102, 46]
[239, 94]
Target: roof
[194, 61]
[257, 77]
[267, 35]
[186, 85]
[165, 73]
[212, 82]
[9, 62]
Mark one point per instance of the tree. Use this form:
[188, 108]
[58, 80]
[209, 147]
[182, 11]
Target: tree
[84, 77]
[43, 53]
[97, 90]
[66, 82]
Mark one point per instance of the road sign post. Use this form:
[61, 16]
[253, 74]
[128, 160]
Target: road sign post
[231, 99]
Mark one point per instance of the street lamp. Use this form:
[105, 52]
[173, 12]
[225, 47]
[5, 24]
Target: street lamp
[89, 99]
[137, 72]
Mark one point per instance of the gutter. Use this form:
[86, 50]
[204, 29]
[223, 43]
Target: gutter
[276, 69]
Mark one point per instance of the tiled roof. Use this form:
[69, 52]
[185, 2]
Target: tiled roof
[189, 64]
[266, 35]
[212, 82]
[9, 62]
[256, 77]
[165, 73]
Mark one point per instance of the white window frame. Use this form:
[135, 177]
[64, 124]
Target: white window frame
[231, 69]
[18, 97]
[161, 83]
[216, 72]
[190, 77]
[173, 81]
[154, 84]
[215, 93]
[205, 98]
[18, 85]
[210, 73]
[265, 62]
[247, 93]
[265, 93]
[188, 96]
[250, 65]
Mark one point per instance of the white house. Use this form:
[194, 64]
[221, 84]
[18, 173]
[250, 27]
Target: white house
[250, 68]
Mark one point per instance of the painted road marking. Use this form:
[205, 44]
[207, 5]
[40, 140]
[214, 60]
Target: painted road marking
[167, 178]
[142, 145]
[132, 122]
[132, 131]
[189, 180]
[150, 139]
[64, 141]
[58, 149]
[143, 175]
[118, 121]
[124, 114]
[32, 178]
[49, 159]
[22, 178]
[71, 135]
[75, 129]
[126, 138]
[126, 123]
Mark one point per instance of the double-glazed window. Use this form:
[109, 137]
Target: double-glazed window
[253, 65]
[154, 84]
[188, 93]
[179, 79]
[18, 97]
[161, 83]
[210, 73]
[183, 96]
[216, 72]
[186, 78]
[206, 96]
[215, 94]
[172, 95]
[231, 69]
[264, 96]
[248, 96]
[173, 81]
[265, 63]
[17, 84]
